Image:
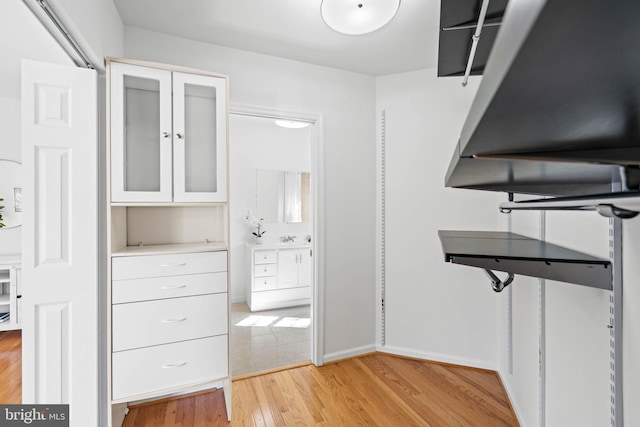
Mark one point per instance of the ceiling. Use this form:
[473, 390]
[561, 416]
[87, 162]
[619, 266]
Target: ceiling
[295, 30]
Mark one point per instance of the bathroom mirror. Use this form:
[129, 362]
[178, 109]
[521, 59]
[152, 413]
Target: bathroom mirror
[11, 192]
[283, 196]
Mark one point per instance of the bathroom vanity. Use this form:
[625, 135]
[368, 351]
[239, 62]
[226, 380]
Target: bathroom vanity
[281, 275]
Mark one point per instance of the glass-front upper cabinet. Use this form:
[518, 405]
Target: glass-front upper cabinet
[168, 136]
[200, 138]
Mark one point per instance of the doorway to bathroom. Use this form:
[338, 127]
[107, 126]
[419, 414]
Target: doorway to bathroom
[272, 264]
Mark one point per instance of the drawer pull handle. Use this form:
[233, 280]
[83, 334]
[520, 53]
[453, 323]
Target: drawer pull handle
[180, 264]
[174, 365]
[168, 287]
[176, 320]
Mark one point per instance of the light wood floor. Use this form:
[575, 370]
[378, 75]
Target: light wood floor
[11, 367]
[371, 390]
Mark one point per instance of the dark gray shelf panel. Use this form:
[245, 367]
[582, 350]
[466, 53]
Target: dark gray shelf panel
[531, 177]
[561, 86]
[517, 254]
[457, 27]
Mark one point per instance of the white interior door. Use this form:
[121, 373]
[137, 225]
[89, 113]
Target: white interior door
[60, 239]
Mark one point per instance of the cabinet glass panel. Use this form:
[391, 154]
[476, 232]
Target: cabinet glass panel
[200, 139]
[141, 135]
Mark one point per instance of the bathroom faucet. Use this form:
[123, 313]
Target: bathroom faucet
[285, 239]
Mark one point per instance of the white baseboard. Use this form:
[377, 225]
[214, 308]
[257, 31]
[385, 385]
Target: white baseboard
[352, 352]
[437, 357]
[237, 299]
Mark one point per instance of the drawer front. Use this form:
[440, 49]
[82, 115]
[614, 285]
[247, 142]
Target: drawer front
[133, 290]
[264, 257]
[135, 267]
[153, 369]
[264, 270]
[264, 283]
[143, 324]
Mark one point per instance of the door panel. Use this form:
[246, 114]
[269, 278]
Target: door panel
[60, 239]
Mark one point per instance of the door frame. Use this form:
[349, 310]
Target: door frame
[318, 225]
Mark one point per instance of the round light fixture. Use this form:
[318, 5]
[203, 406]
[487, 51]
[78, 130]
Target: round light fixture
[356, 17]
[292, 124]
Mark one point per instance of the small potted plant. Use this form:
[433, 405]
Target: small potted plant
[258, 223]
[1, 207]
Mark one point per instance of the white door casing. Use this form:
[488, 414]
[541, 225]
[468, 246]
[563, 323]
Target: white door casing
[60, 239]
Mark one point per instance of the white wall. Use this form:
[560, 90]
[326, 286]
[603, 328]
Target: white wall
[575, 349]
[99, 26]
[346, 102]
[21, 36]
[518, 331]
[10, 238]
[434, 310]
[631, 321]
[258, 143]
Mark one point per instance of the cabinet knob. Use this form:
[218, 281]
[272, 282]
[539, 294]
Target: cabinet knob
[166, 134]
[179, 135]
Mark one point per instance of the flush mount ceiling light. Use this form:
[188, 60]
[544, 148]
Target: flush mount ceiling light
[356, 17]
[292, 124]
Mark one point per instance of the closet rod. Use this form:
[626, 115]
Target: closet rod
[474, 41]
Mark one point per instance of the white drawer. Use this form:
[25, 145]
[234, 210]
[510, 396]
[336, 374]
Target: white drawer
[132, 290]
[143, 324]
[264, 257]
[134, 267]
[264, 283]
[153, 369]
[264, 270]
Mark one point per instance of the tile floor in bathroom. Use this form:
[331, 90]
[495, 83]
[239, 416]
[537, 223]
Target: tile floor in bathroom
[268, 339]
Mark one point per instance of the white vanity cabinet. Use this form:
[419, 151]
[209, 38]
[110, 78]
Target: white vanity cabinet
[10, 293]
[168, 234]
[280, 277]
[168, 135]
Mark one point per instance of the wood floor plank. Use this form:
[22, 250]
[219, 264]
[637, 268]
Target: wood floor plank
[371, 390]
[11, 367]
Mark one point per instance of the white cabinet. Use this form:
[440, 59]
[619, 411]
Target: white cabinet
[294, 268]
[280, 277]
[168, 135]
[151, 326]
[10, 293]
[168, 236]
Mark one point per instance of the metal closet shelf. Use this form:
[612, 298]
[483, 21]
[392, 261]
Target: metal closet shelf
[623, 205]
[516, 254]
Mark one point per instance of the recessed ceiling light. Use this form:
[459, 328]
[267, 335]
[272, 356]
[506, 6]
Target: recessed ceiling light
[292, 124]
[356, 17]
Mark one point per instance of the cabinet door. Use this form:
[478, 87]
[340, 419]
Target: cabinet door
[200, 138]
[287, 268]
[141, 132]
[305, 267]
